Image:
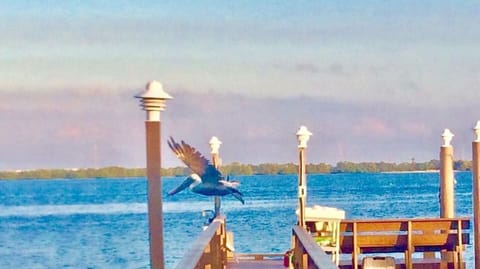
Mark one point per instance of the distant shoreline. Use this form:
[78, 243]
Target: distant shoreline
[412, 172]
[169, 177]
[230, 169]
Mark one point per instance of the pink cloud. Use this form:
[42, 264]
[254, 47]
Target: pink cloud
[69, 132]
[372, 127]
[415, 128]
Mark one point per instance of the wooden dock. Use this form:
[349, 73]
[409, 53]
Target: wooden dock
[357, 238]
[425, 263]
[257, 260]
[256, 264]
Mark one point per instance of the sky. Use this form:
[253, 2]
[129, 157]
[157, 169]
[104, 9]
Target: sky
[372, 80]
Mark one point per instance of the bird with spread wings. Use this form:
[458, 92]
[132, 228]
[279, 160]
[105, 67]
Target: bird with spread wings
[205, 179]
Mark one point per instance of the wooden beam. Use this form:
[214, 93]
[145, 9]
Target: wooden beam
[200, 254]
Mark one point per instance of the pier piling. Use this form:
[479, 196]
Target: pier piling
[476, 193]
[447, 205]
[215, 146]
[153, 102]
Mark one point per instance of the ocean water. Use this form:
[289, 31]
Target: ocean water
[102, 223]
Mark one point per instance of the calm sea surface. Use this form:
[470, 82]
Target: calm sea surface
[102, 223]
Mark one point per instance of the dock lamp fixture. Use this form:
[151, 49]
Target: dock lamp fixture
[476, 129]
[153, 101]
[303, 135]
[476, 193]
[447, 136]
[214, 149]
[214, 145]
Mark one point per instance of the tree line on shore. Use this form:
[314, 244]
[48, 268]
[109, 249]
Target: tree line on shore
[236, 169]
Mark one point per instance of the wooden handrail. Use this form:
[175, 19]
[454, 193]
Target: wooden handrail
[209, 249]
[307, 254]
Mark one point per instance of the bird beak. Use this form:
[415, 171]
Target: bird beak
[187, 182]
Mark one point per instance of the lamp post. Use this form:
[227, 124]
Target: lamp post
[476, 193]
[447, 209]
[303, 135]
[215, 146]
[153, 101]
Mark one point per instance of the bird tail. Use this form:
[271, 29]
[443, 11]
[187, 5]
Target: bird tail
[239, 196]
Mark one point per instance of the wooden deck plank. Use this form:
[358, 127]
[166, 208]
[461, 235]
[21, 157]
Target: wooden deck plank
[278, 264]
[418, 263]
[256, 264]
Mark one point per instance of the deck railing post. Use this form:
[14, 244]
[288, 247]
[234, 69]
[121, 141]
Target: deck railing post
[153, 101]
[223, 244]
[476, 193]
[216, 161]
[303, 135]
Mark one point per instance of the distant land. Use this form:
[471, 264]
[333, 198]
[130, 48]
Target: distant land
[237, 169]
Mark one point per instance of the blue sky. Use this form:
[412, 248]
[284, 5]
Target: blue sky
[388, 75]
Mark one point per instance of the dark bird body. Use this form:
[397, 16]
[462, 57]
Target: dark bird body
[205, 179]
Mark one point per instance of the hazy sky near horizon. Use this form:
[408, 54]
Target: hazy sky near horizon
[373, 80]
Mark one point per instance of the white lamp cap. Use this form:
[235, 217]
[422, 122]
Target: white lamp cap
[447, 137]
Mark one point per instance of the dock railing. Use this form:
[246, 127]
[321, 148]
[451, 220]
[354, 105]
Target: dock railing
[209, 250]
[407, 236]
[307, 254]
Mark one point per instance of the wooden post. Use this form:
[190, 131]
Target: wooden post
[155, 215]
[153, 101]
[218, 203]
[302, 189]
[447, 207]
[223, 245]
[476, 194]
[216, 161]
[303, 135]
[447, 204]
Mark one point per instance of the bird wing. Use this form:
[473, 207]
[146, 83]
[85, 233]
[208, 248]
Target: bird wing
[195, 161]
